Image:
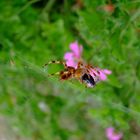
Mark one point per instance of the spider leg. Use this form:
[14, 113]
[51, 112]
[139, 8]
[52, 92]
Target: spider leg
[56, 62]
[53, 74]
[94, 68]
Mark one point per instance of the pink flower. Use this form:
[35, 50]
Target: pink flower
[102, 73]
[111, 135]
[74, 56]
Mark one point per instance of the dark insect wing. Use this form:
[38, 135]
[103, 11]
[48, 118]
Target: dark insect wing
[88, 80]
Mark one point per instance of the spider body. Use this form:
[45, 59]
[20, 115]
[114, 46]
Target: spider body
[67, 73]
[81, 73]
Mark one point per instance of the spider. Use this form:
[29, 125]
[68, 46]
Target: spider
[81, 73]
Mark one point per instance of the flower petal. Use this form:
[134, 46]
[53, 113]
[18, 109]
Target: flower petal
[106, 71]
[102, 75]
[68, 56]
[111, 135]
[77, 50]
[109, 132]
[71, 63]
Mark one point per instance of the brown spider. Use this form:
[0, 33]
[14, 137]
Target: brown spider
[81, 73]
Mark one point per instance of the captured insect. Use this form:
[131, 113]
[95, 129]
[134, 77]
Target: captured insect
[82, 73]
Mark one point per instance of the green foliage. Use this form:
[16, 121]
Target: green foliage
[33, 32]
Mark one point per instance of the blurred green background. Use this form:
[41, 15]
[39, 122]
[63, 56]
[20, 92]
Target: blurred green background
[37, 107]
